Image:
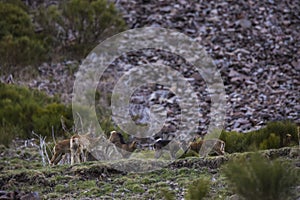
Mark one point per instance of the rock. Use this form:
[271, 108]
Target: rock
[233, 197]
[30, 196]
[4, 195]
[295, 152]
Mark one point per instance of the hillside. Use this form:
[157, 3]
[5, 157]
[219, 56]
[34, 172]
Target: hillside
[255, 45]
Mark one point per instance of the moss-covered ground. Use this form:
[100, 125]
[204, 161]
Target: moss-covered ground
[23, 170]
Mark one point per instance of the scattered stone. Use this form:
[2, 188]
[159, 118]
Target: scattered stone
[254, 45]
[17, 195]
[233, 197]
[295, 152]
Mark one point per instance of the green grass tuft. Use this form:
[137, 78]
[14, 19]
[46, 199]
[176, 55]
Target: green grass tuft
[257, 178]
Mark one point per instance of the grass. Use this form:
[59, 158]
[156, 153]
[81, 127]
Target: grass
[99, 180]
[59, 180]
[256, 177]
[198, 189]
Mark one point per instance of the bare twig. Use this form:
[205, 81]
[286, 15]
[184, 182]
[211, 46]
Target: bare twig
[53, 137]
[63, 125]
[10, 79]
[45, 150]
[80, 121]
[299, 135]
[75, 127]
[42, 148]
[50, 150]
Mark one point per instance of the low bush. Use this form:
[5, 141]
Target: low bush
[272, 142]
[18, 52]
[18, 3]
[167, 194]
[273, 135]
[19, 45]
[8, 133]
[258, 178]
[234, 141]
[198, 189]
[23, 111]
[52, 114]
[74, 27]
[14, 21]
[66, 30]
[281, 129]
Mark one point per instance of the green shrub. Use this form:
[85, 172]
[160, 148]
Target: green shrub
[14, 21]
[273, 135]
[273, 131]
[167, 194]
[17, 3]
[255, 138]
[76, 26]
[198, 189]
[20, 51]
[234, 141]
[19, 46]
[282, 128]
[50, 116]
[23, 110]
[258, 178]
[272, 142]
[8, 133]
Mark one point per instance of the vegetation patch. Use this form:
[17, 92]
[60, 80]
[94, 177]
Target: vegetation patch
[198, 189]
[275, 135]
[258, 178]
[75, 27]
[20, 46]
[98, 179]
[23, 110]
